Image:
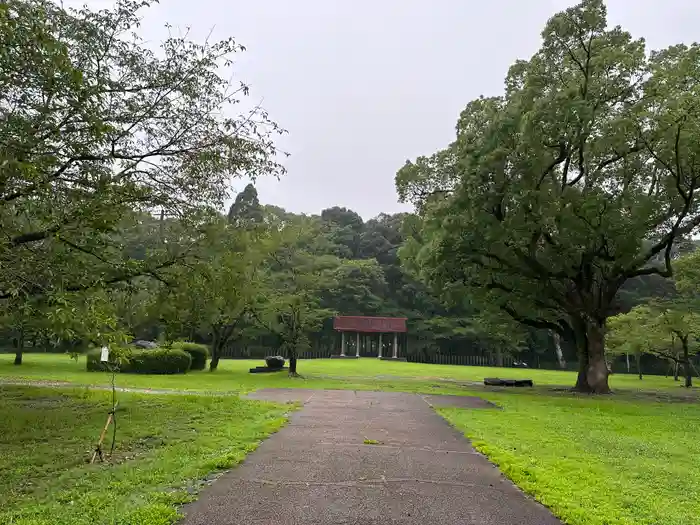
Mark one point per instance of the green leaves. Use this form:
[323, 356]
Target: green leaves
[551, 194]
[667, 328]
[217, 289]
[582, 176]
[100, 135]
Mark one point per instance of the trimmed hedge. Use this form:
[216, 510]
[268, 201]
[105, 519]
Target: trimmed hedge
[142, 361]
[160, 361]
[119, 358]
[199, 353]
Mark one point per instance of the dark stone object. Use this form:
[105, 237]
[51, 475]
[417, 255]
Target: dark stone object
[146, 345]
[393, 359]
[494, 381]
[275, 361]
[265, 369]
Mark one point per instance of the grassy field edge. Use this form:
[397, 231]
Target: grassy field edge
[593, 461]
[168, 449]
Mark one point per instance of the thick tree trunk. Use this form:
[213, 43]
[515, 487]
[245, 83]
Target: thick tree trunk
[593, 369]
[581, 377]
[597, 373]
[215, 353]
[293, 364]
[19, 349]
[686, 364]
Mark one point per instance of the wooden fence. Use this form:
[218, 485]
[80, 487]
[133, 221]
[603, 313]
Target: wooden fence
[460, 360]
[321, 353]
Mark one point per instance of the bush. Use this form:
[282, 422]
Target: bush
[141, 361]
[119, 359]
[274, 361]
[199, 353]
[160, 361]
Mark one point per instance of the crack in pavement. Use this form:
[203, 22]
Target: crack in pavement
[398, 447]
[363, 482]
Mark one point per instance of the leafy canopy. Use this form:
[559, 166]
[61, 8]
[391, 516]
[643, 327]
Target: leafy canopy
[579, 177]
[98, 129]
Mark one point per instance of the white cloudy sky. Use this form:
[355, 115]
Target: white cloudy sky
[364, 85]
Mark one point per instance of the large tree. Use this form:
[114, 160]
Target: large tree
[98, 130]
[295, 280]
[246, 210]
[579, 178]
[216, 293]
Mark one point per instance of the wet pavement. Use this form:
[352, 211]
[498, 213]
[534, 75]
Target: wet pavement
[318, 470]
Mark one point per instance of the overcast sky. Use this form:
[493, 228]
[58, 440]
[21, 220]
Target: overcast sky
[363, 85]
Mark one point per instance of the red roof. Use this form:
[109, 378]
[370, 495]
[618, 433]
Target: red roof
[350, 323]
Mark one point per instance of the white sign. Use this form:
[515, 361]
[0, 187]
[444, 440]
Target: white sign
[104, 355]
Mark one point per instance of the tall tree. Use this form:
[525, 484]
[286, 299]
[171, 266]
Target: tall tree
[355, 287]
[98, 130]
[344, 230]
[295, 279]
[575, 181]
[216, 293]
[246, 209]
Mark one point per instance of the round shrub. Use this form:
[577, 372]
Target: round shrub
[160, 361]
[199, 353]
[119, 359]
[274, 361]
[142, 361]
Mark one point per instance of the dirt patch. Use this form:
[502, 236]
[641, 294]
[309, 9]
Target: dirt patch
[437, 401]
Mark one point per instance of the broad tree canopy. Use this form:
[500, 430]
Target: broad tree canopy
[582, 175]
[98, 131]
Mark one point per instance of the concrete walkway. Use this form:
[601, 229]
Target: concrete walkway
[318, 471]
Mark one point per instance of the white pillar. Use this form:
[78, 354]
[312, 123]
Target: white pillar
[342, 344]
[380, 346]
[357, 349]
[396, 346]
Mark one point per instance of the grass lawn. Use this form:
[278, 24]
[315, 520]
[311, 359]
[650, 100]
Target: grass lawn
[360, 374]
[165, 446]
[595, 461]
[626, 459]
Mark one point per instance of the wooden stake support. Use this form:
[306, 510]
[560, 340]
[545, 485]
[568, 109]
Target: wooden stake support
[98, 448]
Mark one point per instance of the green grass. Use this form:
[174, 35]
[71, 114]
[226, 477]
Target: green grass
[626, 459]
[165, 446]
[595, 461]
[361, 374]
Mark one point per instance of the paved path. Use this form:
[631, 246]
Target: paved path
[318, 471]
